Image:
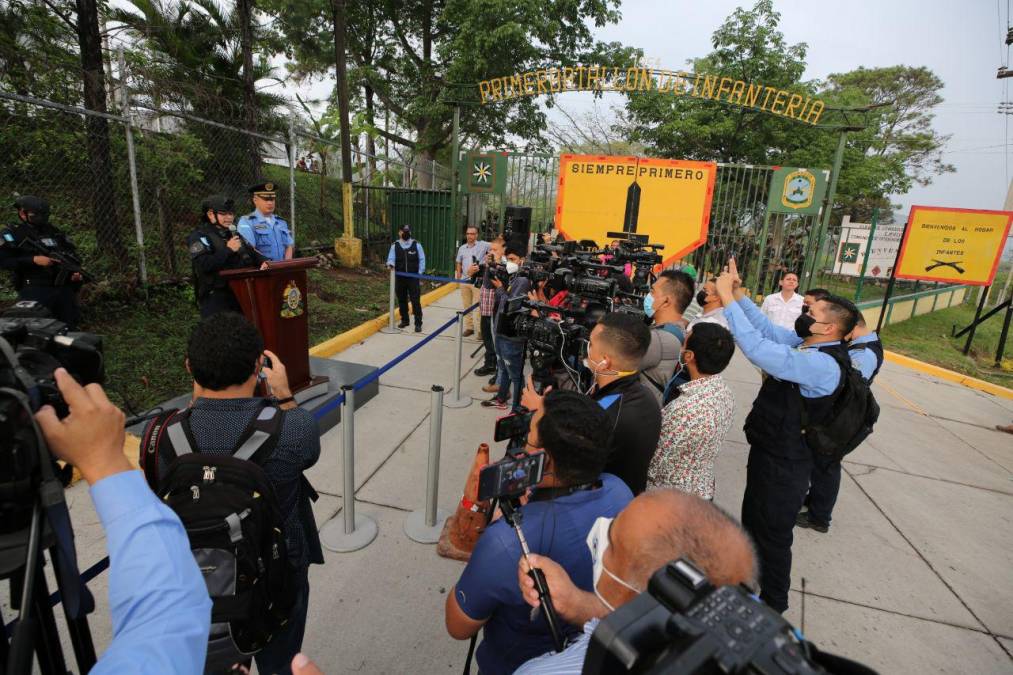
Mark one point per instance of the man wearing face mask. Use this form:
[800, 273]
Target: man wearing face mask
[806, 368]
[664, 305]
[711, 309]
[655, 528]
[559, 513]
[509, 345]
[406, 255]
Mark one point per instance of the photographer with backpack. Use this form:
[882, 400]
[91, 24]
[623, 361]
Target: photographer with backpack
[812, 409]
[231, 466]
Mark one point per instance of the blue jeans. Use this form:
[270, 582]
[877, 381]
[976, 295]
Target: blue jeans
[510, 357]
[277, 656]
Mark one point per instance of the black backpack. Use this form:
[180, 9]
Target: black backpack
[853, 414]
[232, 518]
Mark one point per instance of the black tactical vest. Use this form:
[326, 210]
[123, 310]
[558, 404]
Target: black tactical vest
[876, 347]
[406, 259]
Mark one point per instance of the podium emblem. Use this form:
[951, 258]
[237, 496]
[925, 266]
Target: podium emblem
[291, 301]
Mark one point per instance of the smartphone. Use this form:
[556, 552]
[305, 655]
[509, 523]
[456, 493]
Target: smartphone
[512, 426]
[510, 476]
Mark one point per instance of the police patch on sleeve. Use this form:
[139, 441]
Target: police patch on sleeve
[199, 247]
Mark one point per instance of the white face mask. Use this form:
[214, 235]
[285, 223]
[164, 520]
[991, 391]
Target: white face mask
[598, 543]
[512, 267]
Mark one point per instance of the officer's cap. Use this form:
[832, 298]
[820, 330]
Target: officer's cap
[218, 204]
[37, 205]
[263, 190]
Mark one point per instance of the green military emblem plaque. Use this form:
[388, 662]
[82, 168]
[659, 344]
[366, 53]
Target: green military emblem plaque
[484, 172]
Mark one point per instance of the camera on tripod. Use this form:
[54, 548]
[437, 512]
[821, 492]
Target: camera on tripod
[635, 249]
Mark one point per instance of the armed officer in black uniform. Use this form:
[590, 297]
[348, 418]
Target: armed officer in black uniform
[45, 264]
[215, 246]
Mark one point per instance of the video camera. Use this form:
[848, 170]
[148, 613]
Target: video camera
[635, 249]
[682, 624]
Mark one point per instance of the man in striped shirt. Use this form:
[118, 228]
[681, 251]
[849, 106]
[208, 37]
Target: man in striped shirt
[656, 527]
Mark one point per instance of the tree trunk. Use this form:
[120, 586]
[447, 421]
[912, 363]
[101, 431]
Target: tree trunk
[323, 178]
[245, 10]
[370, 143]
[103, 193]
[424, 169]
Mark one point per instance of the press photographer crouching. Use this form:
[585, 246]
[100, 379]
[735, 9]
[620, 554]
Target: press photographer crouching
[656, 527]
[559, 513]
[206, 459]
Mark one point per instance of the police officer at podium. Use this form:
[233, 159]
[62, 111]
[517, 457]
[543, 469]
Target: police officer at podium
[264, 230]
[44, 262]
[215, 246]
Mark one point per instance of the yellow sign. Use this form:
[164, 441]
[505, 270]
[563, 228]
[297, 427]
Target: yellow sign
[953, 245]
[753, 95]
[669, 200]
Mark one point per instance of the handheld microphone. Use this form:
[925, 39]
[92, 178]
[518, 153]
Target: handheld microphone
[233, 232]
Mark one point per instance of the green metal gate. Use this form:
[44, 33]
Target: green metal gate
[428, 213]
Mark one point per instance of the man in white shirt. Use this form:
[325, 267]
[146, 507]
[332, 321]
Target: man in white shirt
[711, 310]
[783, 308]
[471, 252]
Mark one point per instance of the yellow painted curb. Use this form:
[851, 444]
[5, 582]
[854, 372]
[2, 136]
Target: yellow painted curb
[949, 375]
[343, 341]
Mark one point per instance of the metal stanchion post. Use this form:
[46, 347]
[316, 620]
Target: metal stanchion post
[425, 525]
[459, 401]
[354, 531]
[391, 327]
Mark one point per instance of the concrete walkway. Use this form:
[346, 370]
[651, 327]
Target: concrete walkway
[915, 576]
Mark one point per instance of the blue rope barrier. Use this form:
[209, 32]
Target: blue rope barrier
[413, 275]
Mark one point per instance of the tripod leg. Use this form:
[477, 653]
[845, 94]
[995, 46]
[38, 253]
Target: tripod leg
[47, 637]
[5, 647]
[80, 633]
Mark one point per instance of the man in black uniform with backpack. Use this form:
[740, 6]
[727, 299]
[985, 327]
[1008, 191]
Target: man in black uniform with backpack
[231, 466]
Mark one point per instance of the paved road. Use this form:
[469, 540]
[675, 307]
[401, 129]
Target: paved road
[915, 575]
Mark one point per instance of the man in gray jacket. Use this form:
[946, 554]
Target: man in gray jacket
[664, 305]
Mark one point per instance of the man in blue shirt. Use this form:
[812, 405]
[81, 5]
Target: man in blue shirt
[161, 612]
[472, 252]
[266, 232]
[866, 353]
[560, 511]
[806, 363]
[406, 255]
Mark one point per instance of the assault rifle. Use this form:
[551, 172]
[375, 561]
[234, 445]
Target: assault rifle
[69, 263]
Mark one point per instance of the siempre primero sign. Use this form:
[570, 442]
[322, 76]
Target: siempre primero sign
[669, 200]
[953, 245]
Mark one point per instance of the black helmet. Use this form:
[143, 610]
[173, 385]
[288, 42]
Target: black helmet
[37, 205]
[218, 203]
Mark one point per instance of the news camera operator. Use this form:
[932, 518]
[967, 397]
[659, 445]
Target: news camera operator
[616, 347]
[161, 612]
[559, 513]
[664, 304]
[482, 275]
[43, 261]
[216, 246]
[509, 345]
[656, 527]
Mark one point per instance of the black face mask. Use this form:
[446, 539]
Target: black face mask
[803, 325]
[406, 235]
[805, 309]
[701, 298]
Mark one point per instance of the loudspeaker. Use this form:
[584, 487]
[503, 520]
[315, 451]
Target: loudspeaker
[518, 221]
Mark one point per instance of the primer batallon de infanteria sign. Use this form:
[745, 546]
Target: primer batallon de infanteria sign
[669, 200]
[953, 245]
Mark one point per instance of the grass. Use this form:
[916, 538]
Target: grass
[314, 225]
[927, 338]
[145, 341]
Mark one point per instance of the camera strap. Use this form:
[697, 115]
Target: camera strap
[545, 494]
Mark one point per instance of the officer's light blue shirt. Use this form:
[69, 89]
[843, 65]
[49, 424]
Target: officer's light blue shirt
[407, 245]
[864, 359]
[269, 239]
[776, 350]
[161, 612]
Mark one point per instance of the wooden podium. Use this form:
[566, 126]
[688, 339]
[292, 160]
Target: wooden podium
[274, 300]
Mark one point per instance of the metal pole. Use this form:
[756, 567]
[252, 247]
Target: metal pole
[426, 525]
[1004, 334]
[831, 193]
[454, 167]
[391, 328]
[893, 279]
[977, 313]
[354, 531]
[760, 276]
[132, 164]
[458, 401]
[291, 172]
[868, 250]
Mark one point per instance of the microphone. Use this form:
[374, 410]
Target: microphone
[233, 232]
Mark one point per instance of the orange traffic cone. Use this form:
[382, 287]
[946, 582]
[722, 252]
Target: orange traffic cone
[462, 529]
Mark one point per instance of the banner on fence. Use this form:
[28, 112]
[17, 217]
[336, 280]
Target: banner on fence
[854, 242]
[797, 190]
[484, 172]
[669, 200]
[953, 245]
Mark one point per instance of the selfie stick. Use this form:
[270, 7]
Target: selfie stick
[513, 517]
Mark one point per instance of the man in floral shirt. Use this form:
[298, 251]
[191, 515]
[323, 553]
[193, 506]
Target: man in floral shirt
[694, 424]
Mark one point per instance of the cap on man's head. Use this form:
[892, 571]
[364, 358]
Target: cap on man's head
[218, 204]
[263, 190]
[406, 228]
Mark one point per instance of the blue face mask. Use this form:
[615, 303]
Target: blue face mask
[649, 305]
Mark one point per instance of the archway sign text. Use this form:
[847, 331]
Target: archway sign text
[752, 95]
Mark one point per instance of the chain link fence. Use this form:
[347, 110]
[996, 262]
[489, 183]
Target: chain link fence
[127, 187]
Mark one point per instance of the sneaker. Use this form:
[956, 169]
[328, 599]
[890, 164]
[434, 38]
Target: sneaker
[482, 371]
[468, 333]
[494, 402]
[804, 520]
[491, 388]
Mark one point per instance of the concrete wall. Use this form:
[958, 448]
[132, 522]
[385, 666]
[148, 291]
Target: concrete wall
[904, 307]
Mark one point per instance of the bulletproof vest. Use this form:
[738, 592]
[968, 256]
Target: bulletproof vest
[406, 259]
[775, 422]
[876, 347]
[208, 281]
[49, 238]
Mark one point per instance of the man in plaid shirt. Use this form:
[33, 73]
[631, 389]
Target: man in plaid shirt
[695, 423]
[487, 308]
